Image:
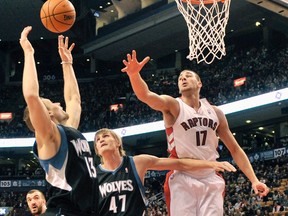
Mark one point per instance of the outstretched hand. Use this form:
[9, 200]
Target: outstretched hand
[132, 66]
[24, 42]
[260, 188]
[64, 49]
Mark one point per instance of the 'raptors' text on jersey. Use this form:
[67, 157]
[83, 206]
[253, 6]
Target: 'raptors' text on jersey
[193, 135]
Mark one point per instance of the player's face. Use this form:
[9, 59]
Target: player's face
[35, 203]
[188, 80]
[106, 142]
[56, 111]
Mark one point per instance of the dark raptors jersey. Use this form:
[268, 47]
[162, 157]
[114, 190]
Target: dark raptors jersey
[72, 176]
[121, 191]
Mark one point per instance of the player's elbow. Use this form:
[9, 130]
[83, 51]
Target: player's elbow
[143, 96]
[30, 97]
[74, 101]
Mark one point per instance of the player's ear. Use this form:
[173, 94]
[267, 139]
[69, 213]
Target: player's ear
[118, 144]
[50, 113]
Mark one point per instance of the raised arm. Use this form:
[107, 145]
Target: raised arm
[39, 116]
[238, 154]
[132, 68]
[148, 162]
[71, 89]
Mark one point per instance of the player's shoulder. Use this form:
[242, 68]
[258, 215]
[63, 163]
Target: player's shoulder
[217, 110]
[168, 97]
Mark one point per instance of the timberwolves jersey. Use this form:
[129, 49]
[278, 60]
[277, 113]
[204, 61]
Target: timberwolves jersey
[121, 191]
[72, 176]
[193, 135]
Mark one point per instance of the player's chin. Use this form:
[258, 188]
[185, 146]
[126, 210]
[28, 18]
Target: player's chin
[34, 210]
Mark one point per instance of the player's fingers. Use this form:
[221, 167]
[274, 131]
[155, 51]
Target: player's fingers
[255, 190]
[125, 62]
[262, 193]
[227, 166]
[60, 41]
[264, 190]
[230, 167]
[124, 70]
[145, 60]
[66, 42]
[25, 32]
[128, 57]
[134, 54]
[220, 169]
[71, 47]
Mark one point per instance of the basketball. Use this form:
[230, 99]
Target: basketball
[58, 15]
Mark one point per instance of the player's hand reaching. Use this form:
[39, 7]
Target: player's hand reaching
[132, 66]
[24, 42]
[223, 166]
[260, 188]
[64, 50]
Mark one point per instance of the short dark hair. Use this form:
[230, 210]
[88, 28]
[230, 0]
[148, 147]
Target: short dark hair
[35, 190]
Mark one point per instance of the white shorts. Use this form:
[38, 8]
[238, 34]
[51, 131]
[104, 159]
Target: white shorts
[196, 197]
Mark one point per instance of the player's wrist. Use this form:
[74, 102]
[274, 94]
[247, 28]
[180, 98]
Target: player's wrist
[66, 62]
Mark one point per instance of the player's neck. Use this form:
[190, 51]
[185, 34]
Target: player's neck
[112, 162]
[192, 101]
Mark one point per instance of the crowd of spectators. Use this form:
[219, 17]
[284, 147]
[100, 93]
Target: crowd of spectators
[99, 94]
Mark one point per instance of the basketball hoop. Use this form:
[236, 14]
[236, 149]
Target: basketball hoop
[206, 21]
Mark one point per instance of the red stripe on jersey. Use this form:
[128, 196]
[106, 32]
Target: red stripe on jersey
[171, 144]
[167, 190]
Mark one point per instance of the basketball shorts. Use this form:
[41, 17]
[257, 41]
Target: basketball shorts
[188, 196]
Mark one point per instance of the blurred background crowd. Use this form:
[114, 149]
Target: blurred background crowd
[265, 71]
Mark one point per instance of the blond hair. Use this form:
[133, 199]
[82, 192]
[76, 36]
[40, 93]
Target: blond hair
[114, 135]
[26, 119]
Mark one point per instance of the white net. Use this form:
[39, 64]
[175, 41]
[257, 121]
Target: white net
[206, 21]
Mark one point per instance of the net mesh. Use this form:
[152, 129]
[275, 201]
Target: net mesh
[206, 21]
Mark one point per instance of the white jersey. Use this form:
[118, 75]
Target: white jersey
[193, 135]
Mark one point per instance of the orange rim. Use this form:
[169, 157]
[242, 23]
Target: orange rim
[197, 2]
